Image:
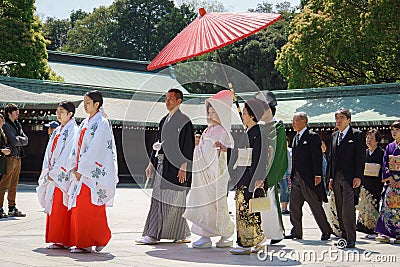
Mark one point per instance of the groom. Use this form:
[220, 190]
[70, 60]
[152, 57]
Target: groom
[173, 177]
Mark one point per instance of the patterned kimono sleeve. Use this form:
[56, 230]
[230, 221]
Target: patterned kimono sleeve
[385, 167]
[60, 171]
[98, 164]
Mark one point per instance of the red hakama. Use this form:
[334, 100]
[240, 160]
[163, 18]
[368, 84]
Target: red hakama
[89, 225]
[58, 223]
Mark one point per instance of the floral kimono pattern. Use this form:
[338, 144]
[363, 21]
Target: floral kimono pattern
[207, 205]
[389, 218]
[56, 165]
[97, 161]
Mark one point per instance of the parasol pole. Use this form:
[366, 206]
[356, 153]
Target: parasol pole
[230, 86]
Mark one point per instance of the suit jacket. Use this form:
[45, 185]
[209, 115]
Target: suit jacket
[3, 163]
[16, 137]
[349, 156]
[307, 161]
[178, 146]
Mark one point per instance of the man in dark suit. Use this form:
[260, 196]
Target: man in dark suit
[346, 168]
[173, 161]
[306, 179]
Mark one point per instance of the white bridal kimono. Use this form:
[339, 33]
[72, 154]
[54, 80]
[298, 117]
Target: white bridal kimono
[207, 206]
[97, 165]
[56, 165]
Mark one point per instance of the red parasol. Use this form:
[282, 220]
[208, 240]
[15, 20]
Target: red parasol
[209, 32]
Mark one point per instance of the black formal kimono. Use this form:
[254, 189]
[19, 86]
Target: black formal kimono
[168, 200]
[248, 224]
[177, 135]
[370, 195]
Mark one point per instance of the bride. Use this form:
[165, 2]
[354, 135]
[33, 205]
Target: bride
[207, 206]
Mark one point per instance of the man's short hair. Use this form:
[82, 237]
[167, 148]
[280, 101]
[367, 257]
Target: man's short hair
[178, 93]
[343, 111]
[10, 108]
[302, 115]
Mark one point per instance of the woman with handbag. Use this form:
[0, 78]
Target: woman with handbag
[207, 205]
[250, 160]
[388, 225]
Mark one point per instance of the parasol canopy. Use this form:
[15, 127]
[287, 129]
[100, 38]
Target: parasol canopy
[211, 31]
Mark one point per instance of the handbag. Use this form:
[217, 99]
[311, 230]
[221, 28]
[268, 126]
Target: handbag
[259, 204]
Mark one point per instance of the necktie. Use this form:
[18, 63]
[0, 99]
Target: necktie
[340, 139]
[297, 139]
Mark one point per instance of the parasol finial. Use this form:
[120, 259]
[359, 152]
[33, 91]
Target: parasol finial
[202, 11]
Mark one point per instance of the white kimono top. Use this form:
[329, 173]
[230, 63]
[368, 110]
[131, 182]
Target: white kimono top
[95, 157]
[56, 165]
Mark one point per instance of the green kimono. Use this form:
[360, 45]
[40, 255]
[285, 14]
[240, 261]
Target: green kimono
[277, 168]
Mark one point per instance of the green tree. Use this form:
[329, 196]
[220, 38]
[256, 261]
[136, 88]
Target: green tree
[208, 5]
[255, 55]
[139, 34]
[22, 41]
[337, 42]
[93, 34]
[132, 29]
[55, 31]
[77, 15]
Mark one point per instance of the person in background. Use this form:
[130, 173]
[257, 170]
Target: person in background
[51, 127]
[306, 177]
[346, 169]
[94, 178]
[274, 132]
[54, 179]
[371, 185]
[4, 151]
[324, 165]
[388, 225]
[16, 139]
[285, 184]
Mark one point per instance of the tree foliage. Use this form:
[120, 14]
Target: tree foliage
[93, 34]
[132, 29]
[255, 55]
[338, 42]
[208, 5]
[22, 41]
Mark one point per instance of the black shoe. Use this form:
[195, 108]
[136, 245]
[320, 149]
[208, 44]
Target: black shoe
[285, 212]
[291, 236]
[351, 244]
[14, 212]
[275, 241]
[325, 236]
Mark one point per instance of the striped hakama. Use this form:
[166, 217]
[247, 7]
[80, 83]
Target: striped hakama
[164, 220]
